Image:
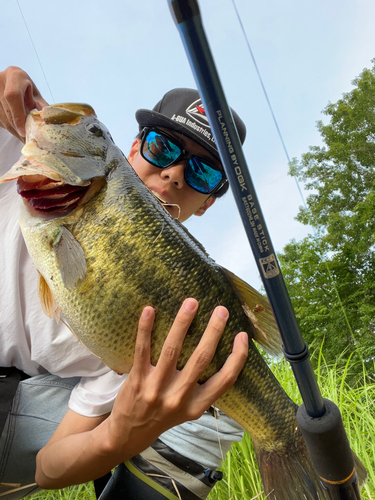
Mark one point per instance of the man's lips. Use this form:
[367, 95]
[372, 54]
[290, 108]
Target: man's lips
[170, 207]
[162, 198]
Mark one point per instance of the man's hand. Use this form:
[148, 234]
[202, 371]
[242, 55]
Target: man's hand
[18, 96]
[156, 398]
[151, 400]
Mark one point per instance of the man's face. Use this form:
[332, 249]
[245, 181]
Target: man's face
[169, 183]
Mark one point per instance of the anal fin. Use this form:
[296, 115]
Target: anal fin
[47, 301]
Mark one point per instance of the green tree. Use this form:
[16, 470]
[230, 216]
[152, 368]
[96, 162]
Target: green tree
[331, 276]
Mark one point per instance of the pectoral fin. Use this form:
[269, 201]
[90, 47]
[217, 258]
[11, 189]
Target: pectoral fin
[49, 306]
[71, 259]
[259, 311]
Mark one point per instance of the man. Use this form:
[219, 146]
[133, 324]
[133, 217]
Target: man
[82, 417]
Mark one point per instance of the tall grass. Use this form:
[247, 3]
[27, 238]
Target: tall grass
[241, 475]
[81, 492]
[357, 406]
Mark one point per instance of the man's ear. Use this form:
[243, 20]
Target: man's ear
[133, 150]
[206, 205]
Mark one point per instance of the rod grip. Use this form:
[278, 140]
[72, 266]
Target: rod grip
[327, 444]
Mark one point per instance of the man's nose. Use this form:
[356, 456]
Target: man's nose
[175, 174]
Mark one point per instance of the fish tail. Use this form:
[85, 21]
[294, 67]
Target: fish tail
[291, 476]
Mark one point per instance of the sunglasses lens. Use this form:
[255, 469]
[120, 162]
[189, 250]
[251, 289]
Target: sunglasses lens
[201, 176]
[159, 150]
[162, 152]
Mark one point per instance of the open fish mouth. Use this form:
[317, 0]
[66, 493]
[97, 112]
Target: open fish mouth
[45, 173]
[50, 196]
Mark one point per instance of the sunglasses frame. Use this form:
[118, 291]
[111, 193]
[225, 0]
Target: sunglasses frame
[185, 155]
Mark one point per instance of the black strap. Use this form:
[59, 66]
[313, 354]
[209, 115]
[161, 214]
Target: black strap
[141, 478]
[10, 377]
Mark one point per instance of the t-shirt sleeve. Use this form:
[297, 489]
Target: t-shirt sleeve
[95, 396]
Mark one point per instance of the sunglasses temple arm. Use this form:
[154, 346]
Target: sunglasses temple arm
[186, 15]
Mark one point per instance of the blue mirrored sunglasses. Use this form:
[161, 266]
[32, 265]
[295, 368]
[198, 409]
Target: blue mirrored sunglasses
[163, 150]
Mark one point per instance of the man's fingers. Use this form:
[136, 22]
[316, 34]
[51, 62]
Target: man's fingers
[33, 99]
[173, 343]
[14, 108]
[205, 351]
[163, 394]
[18, 95]
[8, 125]
[40, 103]
[224, 379]
[143, 341]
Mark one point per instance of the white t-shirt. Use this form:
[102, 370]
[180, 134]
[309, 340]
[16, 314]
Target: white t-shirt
[29, 340]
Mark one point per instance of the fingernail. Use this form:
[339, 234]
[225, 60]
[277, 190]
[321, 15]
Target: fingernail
[244, 338]
[190, 305]
[146, 313]
[222, 312]
[21, 131]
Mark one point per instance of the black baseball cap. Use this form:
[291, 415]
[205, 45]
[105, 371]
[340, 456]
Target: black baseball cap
[182, 110]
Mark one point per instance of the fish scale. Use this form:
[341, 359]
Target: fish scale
[118, 251]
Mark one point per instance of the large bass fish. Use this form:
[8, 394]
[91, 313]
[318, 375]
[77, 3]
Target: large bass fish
[105, 247]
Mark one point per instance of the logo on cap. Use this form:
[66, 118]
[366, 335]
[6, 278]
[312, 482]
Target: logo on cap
[197, 112]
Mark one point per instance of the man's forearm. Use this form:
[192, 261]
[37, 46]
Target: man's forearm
[77, 458]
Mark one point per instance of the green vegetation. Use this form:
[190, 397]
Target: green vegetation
[331, 276]
[81, 492]
[241, 476]
[356, 404]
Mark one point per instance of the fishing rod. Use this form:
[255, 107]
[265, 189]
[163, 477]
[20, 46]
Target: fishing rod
[319, 419]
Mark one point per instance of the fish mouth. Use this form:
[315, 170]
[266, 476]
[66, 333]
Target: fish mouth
[50, 196]
[48, 191]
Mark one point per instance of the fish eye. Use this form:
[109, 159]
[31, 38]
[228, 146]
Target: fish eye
[95, 129]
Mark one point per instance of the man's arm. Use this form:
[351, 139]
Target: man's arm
[151, 400]
[18, 96]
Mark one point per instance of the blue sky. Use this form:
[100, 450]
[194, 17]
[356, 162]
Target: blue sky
[123, 55]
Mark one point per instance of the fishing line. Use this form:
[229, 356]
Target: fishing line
[267, 99]
[216, 415]
[289, 161]
[36, 53]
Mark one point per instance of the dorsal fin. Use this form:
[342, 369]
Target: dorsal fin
[259, 311]
[48, 303]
